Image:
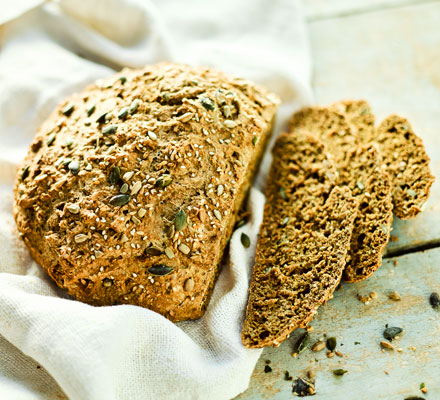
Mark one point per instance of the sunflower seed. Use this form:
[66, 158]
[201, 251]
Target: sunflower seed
[392, 332]
[152, 135]
[160, 270]
[119, 200]
[135, 220]
[411, 192]
[142, 212]
[114, 176]
[68, 109]
[25, 173]
[318, 346]
[80, 238]
[136, 187]
[73, 208]
[283, 193]
[230, 124]
[169, 252]
[180, 220]
[360, 185]
[124, 188]
[218, 214]
[107, 282]
[220, 190]
[184, 248]
[386, 345]
[227, 111]
[128, 175]
[186, 117]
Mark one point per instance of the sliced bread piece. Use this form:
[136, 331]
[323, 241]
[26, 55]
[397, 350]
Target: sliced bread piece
[360, 169]
[372, 188]
[407, 164]
[303, 241]
[359, 115]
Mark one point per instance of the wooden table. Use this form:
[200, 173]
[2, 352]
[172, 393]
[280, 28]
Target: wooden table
[388, 52]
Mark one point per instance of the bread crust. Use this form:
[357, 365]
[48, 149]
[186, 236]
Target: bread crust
[130, 189]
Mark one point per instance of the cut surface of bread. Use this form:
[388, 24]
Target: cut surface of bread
[402, 151]
[360, 168]
[407, 164]
[303, 241]
[371, 187]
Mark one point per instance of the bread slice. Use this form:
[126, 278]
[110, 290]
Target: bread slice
[303, 241]
[372, 188]
[402, 151]
[360, 168]
[407, 163]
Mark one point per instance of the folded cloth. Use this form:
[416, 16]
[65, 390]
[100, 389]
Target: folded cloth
[52, 347]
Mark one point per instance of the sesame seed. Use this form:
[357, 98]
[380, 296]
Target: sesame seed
[230, 124]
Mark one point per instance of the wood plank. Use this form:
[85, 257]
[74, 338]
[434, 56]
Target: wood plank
[321, 9]
[350, 321]
[391, 58]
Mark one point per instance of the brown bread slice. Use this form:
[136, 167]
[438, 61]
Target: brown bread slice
[359, 115]
[407, 164]
[303, 241]
[372, 188]
[359, 169]
[409, 171]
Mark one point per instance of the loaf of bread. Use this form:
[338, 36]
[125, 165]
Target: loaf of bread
[130, 189]
[360, 168]
[303, 242]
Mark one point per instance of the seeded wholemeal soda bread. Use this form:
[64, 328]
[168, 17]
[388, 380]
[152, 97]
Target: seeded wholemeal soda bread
[359, 168]
[130, 189]
[303, 241]
[402, 151]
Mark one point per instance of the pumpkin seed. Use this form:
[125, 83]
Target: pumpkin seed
[385, 229]
[184, 248]
[67, 161]
[91, 110]
[391, 333]
[208, 103]
[69, 142]
[339, 372]
[123, 113]
[160, 270]
[283, 193]
[331, 343]
[109, 130]
[302, 388]
[50, 139]
[180, 220]
[434, 299]
[165, 97]
[153, 251]
[68, 109]
[134, 106]
[414, 398]
[101, 119]
[81, 238]
[164, 180]
[245, 241]
[123, 79]
[304, 344]
[114, 176]
[25, 173]
[119, 200]
[254, 140]
[267, 369]
[74, 167]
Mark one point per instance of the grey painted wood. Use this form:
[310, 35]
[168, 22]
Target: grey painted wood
[349, 320]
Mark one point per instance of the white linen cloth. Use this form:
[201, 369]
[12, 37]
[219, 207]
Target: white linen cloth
[52, 347]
